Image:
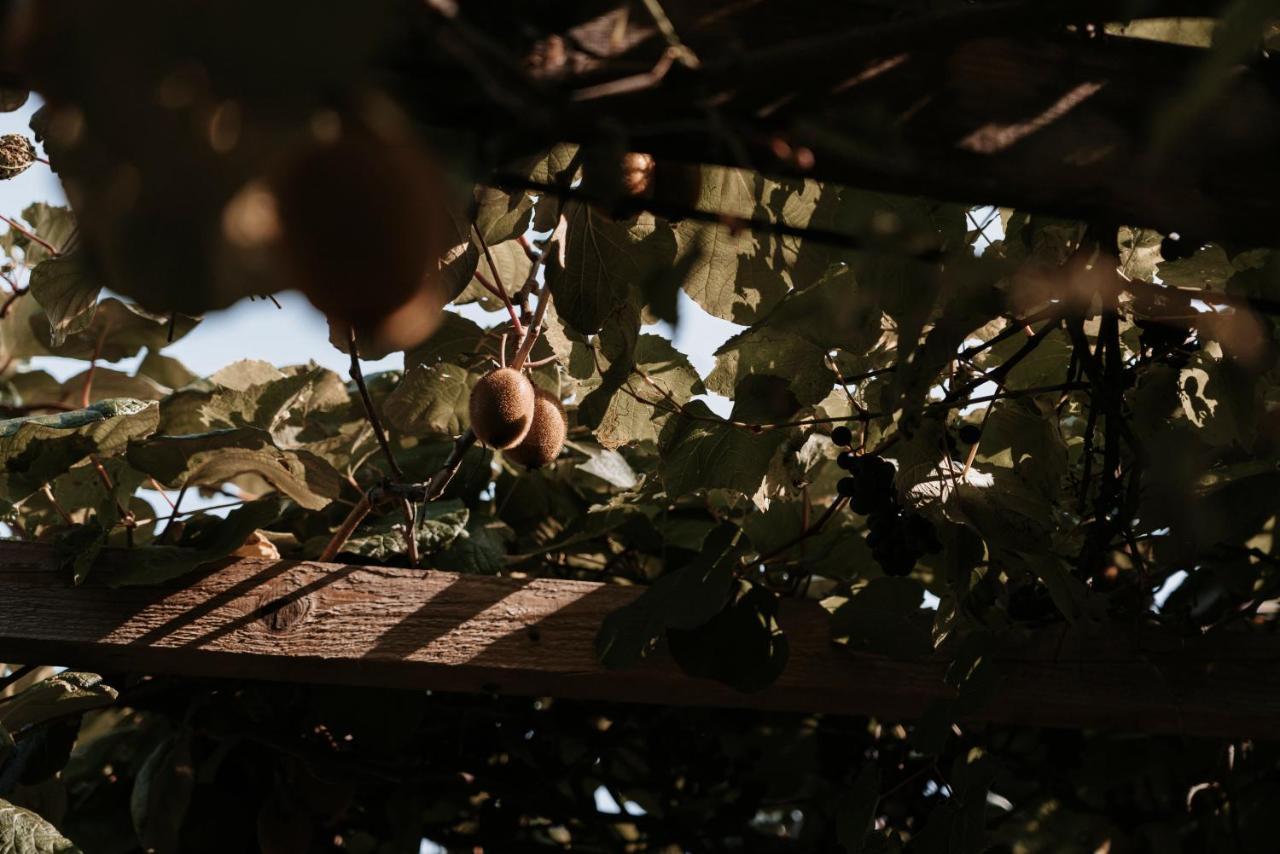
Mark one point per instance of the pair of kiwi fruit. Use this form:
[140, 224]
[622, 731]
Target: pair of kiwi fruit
[526, 423]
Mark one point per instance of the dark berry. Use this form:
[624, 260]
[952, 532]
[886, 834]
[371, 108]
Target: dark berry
[969, 433]
[842, 436]
[846, 460]
[847, 486]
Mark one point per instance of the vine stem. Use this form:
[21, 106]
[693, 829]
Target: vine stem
[31, 235]
[370, 412]
[531, 334]
[348, 527]
[498, 288]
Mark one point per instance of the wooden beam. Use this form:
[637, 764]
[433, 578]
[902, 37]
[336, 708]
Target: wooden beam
[330, 623]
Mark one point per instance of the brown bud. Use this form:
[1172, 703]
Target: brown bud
[16, 155]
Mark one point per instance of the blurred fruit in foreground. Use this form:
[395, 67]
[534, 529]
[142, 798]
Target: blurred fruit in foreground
[363, 225]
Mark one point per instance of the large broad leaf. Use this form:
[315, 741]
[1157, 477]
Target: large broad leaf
[117, 331]
[36, 449]
[68, 693]
[162, 793]
[630, 404]
[886, 617]
[211, 459]
[683, 599]
[68, 292]
[597, 261]
[479, 550]
[510, 270]
[204, 540]
[53, 224]
[456, 337]
[430, 399]
[741, 646]
[281, 407]
[24, 832]
[700, 450]
[502, 216]
[793, 340]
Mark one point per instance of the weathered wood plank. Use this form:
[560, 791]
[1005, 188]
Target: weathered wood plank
[329, 623]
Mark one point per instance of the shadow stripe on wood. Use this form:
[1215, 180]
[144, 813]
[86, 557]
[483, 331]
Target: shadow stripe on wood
[341, 624]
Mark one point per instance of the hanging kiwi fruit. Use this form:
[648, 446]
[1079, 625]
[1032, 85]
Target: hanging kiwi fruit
[542, 444]
[502, 408]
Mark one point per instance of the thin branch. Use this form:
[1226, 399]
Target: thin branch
[339, 539]
[11, 299]
[531, 334]
[30, 235]
[500, 290]
[370, 412]
[633, 205]
[502, 295]
[809, 531]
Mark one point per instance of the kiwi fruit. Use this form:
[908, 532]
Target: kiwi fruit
[542, 444]
[502, 408]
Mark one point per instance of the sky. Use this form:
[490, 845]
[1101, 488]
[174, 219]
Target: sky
[296, 332]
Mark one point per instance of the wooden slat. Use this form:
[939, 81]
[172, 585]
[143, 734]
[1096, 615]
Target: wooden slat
[328, 623]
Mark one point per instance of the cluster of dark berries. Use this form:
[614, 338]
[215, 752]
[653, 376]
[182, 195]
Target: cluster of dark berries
[897, 537]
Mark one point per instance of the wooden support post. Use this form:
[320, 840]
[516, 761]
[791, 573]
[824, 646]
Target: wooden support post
[330, 623]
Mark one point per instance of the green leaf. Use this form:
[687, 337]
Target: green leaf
[36, 449]
[117, 331]
[67, 292]
[502, 216]
[204, 540]
[24, 832]
[511, 266]
[702, 451]
[610, 466]
[742, 646]
[596, 261]
[162, 794]
[857, 814]
[457, 337]
[211, 459]
[623, 408]
[430, 399]
[885, 617]
[683, 599]
[54, 225]
[165, 370]
[478, 550]
[68, 693]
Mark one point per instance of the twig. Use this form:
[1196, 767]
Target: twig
[502, 295]
[11, 299]
[531, 334]
[817, 526]
[86, 391]
[370, 412]
[638, 204]
[339, 539]
[500, 290]
[30, 235]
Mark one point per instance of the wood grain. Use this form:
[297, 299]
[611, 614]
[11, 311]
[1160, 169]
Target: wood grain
[331, 623]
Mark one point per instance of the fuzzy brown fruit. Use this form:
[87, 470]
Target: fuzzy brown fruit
[363, 225]
[502, 408]
[546, 435]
